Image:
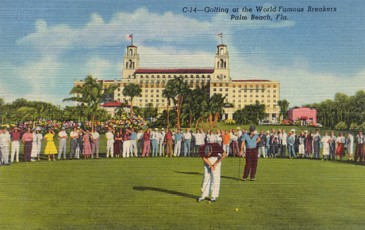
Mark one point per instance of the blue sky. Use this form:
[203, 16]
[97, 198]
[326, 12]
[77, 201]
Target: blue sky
[46, 45]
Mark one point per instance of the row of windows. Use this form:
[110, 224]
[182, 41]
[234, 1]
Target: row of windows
[244, 87]
[244, 91]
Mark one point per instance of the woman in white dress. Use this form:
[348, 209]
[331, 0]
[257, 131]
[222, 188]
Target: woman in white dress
[326, 140]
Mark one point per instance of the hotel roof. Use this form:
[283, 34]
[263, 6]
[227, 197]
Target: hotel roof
[175, 71]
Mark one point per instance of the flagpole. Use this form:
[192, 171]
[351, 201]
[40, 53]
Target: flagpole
[132, 40]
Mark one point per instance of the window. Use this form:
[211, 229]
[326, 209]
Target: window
[226, 89]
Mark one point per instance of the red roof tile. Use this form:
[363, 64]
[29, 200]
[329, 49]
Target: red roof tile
[112, 104]
[177, 71]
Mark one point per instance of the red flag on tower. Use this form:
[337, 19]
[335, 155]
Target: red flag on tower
[129, 37]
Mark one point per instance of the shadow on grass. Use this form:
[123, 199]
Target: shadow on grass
[201, 174]
[182, 194]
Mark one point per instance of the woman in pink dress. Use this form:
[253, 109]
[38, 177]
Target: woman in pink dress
[87, 145]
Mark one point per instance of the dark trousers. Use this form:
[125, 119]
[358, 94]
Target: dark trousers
[359, 152]
[251, 163]
[27, 150]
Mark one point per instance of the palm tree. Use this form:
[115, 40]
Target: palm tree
[91, 94]
[176, 89]
[284, 106]
[132, 90]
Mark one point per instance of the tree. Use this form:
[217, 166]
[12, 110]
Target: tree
[175, 90]
[284, 106]
[250, 114]
[91, 94]
[132, 90]
[214, 107]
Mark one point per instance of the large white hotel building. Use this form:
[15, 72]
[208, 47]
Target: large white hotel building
[239, 93]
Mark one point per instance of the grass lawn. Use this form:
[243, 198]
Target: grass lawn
[160, 193]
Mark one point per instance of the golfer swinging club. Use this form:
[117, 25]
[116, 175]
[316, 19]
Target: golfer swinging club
[212, 154]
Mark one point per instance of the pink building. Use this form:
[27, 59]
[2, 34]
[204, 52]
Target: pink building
[307, 115]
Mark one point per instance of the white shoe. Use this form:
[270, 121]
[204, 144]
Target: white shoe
[213, 199]
[200, 199]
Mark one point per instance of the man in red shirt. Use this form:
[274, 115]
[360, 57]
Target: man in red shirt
[212, 155]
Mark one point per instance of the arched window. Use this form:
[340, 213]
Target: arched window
[130, 52]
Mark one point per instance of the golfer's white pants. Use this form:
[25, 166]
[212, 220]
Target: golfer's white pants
[15, 145]
[177, 149]
[211, 179]
[110, 148]
[126, 148]
[133, 148]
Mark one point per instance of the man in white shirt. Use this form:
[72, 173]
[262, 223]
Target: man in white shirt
[109, 143]
[62, 145]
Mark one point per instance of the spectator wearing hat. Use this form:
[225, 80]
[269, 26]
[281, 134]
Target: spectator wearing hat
[27, 141]
[154, 142]
[212, 155]
[15, 144]
[62, 135]
[250, 140]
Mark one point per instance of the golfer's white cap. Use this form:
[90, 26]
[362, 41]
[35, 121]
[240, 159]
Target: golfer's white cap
[156, 129]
